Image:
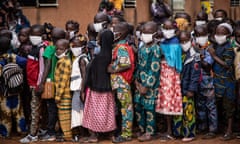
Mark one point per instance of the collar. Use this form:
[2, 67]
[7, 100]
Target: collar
[192, 52]
[121, 42]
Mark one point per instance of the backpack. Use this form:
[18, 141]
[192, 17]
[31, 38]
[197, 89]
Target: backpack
[12, 78]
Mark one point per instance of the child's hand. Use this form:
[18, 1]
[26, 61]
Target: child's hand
[143, 90]
[110, 69]
[190, 94]
[82, 96]
[211, 51]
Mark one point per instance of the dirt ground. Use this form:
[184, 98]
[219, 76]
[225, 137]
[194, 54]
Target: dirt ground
[198, 140]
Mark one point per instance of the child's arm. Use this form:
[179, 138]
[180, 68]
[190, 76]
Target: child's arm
[216, 58]
[122, 63]
[41, 66]
[194, 77]
[83, 66]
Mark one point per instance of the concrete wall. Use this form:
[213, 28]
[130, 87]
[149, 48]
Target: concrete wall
[82, 11]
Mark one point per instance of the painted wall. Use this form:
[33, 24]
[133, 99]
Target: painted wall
[82, 11]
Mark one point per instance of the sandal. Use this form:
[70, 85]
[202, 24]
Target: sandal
[145, 137]
[121, 139]
[209, 135]
[188, 139]
[167, 137]
[228, 137]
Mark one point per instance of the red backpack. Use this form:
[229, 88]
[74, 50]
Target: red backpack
[128, 74]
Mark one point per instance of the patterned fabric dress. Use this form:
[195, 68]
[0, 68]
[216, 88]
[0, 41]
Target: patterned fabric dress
[99, 111]
[169, 99]
[62, 95]
[147, 74]
[123, 56]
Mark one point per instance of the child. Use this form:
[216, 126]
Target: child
[62, 78]
[92, 41]
[24, 49]
[50, 61]
[206, 102]
[10, 106]
[169, 100]
[80, 61]
[34, 69]
[121, 70]
[72, 28]
[185, 125]
[146, 81]
[202, 18]
[223, 69]
[25, 46]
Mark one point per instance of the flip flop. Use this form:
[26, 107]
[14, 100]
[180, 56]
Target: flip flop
[227, 137]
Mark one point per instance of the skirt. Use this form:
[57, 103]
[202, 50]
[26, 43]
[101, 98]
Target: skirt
[99, 111]
[169, 99]
[77, 110]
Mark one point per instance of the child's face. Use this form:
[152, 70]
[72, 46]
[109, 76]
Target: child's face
[23, 36]
[70, 27]
[114, 22]
[219, 15]
[200, 32]
[184, 38]
[222, 31]
[168, 25]
[237, 35]
[60, 48]
[36, 32]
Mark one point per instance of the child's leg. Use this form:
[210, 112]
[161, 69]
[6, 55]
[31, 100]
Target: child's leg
[6, 119]
[64, 113]
[140, 117]
[201, 111]
[189, 120]
[150, 121]
[125, 97]
[212, 114]
[35, 112]
[18, 114]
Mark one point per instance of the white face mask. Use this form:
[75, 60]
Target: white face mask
[71, 34]
[168, 33]
[61, 55]
[77, 50]
[98, 26]
[202, 40]
[35, 40]
[200, 22]
[220, 39]
[111, 29]
[186, 46]
[138, 34]
[219, 19]
[147, 38]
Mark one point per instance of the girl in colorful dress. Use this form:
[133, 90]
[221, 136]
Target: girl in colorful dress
[223, 68]
[185, 125]
[169, 100]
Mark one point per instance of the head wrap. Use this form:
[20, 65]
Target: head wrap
[226, 25]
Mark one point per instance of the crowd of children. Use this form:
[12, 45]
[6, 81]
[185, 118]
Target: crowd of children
[60, 85]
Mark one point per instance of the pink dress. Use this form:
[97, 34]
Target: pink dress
[169, 99]
[99, 111]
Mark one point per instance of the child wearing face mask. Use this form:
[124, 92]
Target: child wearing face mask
[63, 97]
[34, 69]
[185, 125]
[169, 99]
[224, 81]
[147, 83]
[206, 102]
[80, 61]
[72, 28]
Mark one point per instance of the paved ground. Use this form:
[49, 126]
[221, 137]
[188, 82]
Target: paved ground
[197, 141]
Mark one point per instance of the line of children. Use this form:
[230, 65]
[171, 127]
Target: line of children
[182, 75]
